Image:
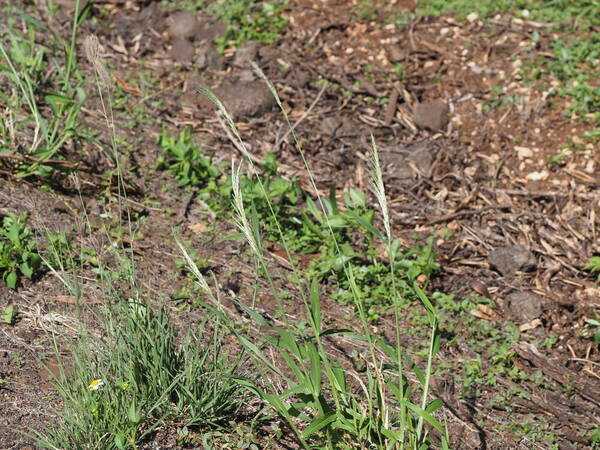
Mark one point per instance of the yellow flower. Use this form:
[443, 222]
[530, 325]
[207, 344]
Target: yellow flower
[96, 384]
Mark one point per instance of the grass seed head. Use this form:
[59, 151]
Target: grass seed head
[91, 46]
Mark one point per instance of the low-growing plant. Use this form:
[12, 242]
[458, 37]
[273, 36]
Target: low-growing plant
[9, 315]
[573, 63]
[18, 250]
[249, 21]
[282, 195]
[187, 162]
[593, 329]
[59, 252]
[595, 439]
[557, 158]
[376, 280]
[593, 266]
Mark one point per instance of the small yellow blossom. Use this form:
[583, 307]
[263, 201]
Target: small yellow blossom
[124, 385]
[95, 385]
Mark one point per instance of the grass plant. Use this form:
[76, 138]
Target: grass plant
[52, 106]
[121, 384]
[118, 385]
[326, 406]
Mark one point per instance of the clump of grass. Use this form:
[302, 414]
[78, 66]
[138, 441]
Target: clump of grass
[48, 109]
[120, 385]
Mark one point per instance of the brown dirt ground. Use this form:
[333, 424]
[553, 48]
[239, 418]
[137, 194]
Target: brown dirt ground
[485, 177]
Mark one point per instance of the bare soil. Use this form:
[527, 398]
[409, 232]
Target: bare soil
[481, 174]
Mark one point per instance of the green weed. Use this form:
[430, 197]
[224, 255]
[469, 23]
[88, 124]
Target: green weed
[317, 399]
[281, 195]
[9, 315]
[186, 161]
[593, 329]
[59, 252]
[593, 266]
[376, 280]
[557, 159]
[573, 64]
[499, 99]
[18, 250]
[249, 21]
[595, 438]
[284, 209]
[365, 9]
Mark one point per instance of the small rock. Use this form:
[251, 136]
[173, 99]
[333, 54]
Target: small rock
[211, 31]
[298, 77]
[182, 51]
[523, 307]
[508, 260]
[400, 165]
[432, 114]
[329, 125]
[183, 25]
[538, 176]
[422, 158]
[246, 99]
[245, 54]
[472, 17]
[246, 75]
[395, 53]
[523, 152]
[209, 58]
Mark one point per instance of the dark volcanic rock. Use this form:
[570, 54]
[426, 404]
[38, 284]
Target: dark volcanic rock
[183, 25]
[404, 165]
[246, 99]
[182, 51]
[298, 77]
[245, 55]
[432, 114]
[211, 31]
[209, 58]
[523, 307]
[508, 260]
